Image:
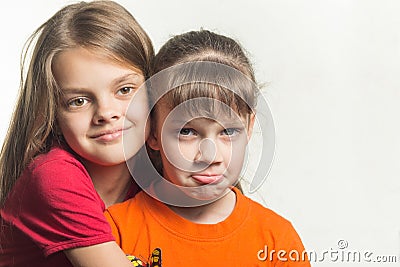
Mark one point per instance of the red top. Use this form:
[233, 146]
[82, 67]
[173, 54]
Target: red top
[52, 207]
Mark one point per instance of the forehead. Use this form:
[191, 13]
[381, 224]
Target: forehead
[75, 66]
[182, 114]
[92, 55]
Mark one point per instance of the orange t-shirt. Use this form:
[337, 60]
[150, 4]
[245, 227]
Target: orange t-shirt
[251, 236]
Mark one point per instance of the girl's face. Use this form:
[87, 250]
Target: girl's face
[92, 114]
[202, 154]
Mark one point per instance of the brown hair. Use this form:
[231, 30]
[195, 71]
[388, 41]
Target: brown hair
[198, 50]
[104, 27]
[210, 66]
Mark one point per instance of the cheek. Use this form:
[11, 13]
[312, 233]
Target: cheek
[147, 129]
[138, 108]
[188, 151]
[234, 157]
[139, 118]
[137, 113]
[71, 125]
[180, 155]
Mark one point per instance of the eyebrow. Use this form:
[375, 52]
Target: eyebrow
[227, 124]
[125, 77]
[67, 90]
[115, 82]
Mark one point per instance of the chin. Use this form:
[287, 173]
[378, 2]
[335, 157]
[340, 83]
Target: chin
[205, 193]
[108, 161]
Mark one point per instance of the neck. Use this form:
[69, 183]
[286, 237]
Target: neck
[211, 213]
[111, 182]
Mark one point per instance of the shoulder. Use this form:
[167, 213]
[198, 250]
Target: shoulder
[55, 173]
[56, 198]
[268, 225]
[265, 216]
[130, 215]
[272, 226]
[125, 209]
[128, 221]
[56, 157]
[56, 165]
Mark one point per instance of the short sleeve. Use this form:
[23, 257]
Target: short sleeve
[57, 206]
[293, 251]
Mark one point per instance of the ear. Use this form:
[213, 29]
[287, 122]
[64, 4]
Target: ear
[251, 120]
[152, 141]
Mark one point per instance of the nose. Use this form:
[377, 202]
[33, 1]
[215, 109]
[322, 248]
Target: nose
[208, 152]
[106, 111]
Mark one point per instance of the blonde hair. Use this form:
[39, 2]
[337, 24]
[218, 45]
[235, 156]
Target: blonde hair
[104, 27]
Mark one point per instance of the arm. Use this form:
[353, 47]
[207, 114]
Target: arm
[101, 255]
[56, 206]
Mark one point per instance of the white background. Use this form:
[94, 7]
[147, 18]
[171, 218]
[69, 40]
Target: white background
[332, 69]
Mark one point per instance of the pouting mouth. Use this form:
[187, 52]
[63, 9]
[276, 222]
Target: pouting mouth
[206, 178]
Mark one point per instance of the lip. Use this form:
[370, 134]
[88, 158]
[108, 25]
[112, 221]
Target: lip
[205, 178]
[109, 135]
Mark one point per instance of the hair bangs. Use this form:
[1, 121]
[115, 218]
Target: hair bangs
[201, 99]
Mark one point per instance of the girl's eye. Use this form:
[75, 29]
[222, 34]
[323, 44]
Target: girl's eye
[186, 132]
[230, 131]
[77, 102]
[125, 90]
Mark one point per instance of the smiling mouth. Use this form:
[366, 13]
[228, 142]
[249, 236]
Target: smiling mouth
[110, 135]
[207, 178]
